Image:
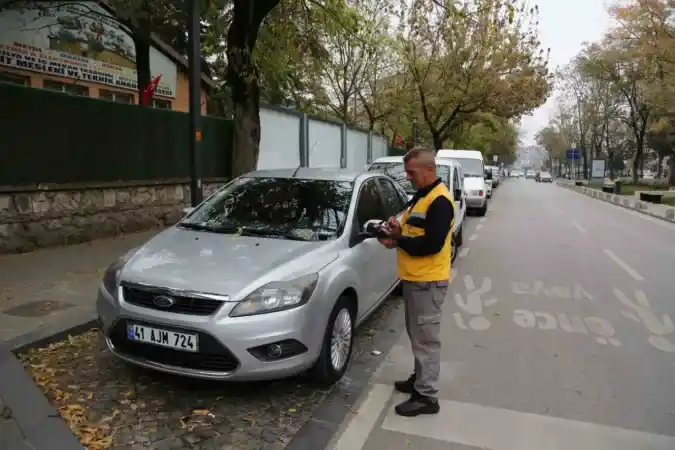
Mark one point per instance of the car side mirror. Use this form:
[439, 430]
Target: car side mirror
[188, 210]
[458, 195]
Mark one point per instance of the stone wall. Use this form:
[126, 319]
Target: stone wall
[44, 216]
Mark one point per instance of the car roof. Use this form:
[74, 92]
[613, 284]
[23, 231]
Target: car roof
[453, 153]
[398, 159]
[308, 173]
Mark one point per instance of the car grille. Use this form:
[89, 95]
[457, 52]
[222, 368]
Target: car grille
[212, 356]
[182, 305]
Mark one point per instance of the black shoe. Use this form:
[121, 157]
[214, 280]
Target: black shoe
[418, 404]
[407, 386]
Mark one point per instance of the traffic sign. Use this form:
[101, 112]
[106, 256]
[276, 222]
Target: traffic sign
[495, 158]
[573, 154]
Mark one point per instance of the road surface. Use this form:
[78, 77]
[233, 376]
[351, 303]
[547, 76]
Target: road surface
[558, 334]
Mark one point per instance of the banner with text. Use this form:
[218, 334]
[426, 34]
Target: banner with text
[78, 40]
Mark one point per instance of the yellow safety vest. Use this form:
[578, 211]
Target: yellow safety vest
[425, 268]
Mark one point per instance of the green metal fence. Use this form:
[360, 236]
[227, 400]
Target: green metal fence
[49, 137]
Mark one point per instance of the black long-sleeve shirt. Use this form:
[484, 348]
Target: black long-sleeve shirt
[437, 225]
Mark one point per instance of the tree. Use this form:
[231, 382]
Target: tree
[475, 56]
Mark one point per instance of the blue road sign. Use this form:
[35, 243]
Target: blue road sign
[574, 154]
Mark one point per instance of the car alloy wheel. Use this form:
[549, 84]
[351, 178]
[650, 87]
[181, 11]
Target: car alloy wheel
[341, 339]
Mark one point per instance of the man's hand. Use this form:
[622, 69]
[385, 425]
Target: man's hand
[393, 227]
[387, 242]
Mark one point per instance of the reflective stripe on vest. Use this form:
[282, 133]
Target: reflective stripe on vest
[424, 268]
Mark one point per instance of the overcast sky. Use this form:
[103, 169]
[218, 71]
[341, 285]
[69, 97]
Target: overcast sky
[564, 26]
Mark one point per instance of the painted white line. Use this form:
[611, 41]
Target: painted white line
[479, 226]
[502, 429]
[463, 252]
[636, 276]
[473, 237]
[579, 227]
[359, 428]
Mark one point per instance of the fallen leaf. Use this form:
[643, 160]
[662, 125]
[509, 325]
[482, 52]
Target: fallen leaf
[200, 412]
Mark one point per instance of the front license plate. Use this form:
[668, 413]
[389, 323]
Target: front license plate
[180, 341]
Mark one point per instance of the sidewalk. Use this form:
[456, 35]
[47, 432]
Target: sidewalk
[662, 212]
[50, 290]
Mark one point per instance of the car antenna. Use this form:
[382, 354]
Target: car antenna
[308, 154]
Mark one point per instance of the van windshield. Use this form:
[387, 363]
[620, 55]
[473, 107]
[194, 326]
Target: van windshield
[472, 167]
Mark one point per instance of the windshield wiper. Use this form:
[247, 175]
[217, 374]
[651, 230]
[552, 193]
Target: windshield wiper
[201, 227]
[272, 233]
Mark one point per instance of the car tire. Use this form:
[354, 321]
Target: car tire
[459, 237]
[325, 371]
[482, 211]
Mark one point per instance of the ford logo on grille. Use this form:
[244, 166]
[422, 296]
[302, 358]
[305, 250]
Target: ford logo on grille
[163, 301]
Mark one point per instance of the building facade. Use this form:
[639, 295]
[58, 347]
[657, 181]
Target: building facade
[79, 48]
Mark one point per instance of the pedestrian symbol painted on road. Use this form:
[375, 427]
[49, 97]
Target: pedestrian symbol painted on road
[642, 313]
[474, 304]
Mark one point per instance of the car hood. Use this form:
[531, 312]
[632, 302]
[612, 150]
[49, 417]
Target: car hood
[474, 183]
[220, 263]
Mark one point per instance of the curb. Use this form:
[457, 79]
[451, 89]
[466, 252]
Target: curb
[328, 419]
[39, 422]
[42, 337]
[637, 205]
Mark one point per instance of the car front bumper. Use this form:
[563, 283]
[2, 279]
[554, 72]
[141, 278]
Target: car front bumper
[227, 344]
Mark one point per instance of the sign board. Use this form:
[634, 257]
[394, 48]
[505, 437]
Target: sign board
[573, 154]
[598, 168]
[495, 158]
[77, 40]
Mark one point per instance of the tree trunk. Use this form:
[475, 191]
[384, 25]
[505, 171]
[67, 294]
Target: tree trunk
[636, 168]
[659, 166]
[438, 141]
[671, 170]
[143, 75]
[242, 78]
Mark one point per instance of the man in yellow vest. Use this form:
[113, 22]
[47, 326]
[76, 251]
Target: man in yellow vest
[422, 238]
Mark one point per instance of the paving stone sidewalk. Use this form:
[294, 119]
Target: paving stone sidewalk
[41, 294]
[49, 290]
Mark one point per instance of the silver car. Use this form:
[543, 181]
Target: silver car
[266, 278]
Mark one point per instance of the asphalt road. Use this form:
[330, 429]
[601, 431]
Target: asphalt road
[558, 334]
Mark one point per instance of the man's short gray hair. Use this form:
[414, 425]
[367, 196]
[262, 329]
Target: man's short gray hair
[426, 155]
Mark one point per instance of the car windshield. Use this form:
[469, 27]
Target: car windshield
[396, 171]
[280, 208]
[472, 167]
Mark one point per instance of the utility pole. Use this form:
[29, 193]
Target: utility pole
[195, 72]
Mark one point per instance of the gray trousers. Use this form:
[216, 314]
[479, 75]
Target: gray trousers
[423, 303]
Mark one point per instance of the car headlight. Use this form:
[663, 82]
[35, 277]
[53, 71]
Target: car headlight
[277, 296]
[111, 277]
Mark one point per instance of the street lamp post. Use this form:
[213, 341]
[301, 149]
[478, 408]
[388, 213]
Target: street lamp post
[194, 28]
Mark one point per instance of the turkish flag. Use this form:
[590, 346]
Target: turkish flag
[149, 91]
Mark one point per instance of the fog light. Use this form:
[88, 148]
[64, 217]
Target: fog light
[274, 351]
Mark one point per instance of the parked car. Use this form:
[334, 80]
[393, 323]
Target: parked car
[496, 175]
[545, 177]
[266, 278]
[452, 175]
[529, 175]
[476, 179]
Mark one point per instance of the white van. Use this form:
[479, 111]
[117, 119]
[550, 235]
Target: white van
[477, 182]
[447, 170]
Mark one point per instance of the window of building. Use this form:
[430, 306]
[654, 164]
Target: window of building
[67, 88]
[159, 103]
[113, 96]
[13, 78]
